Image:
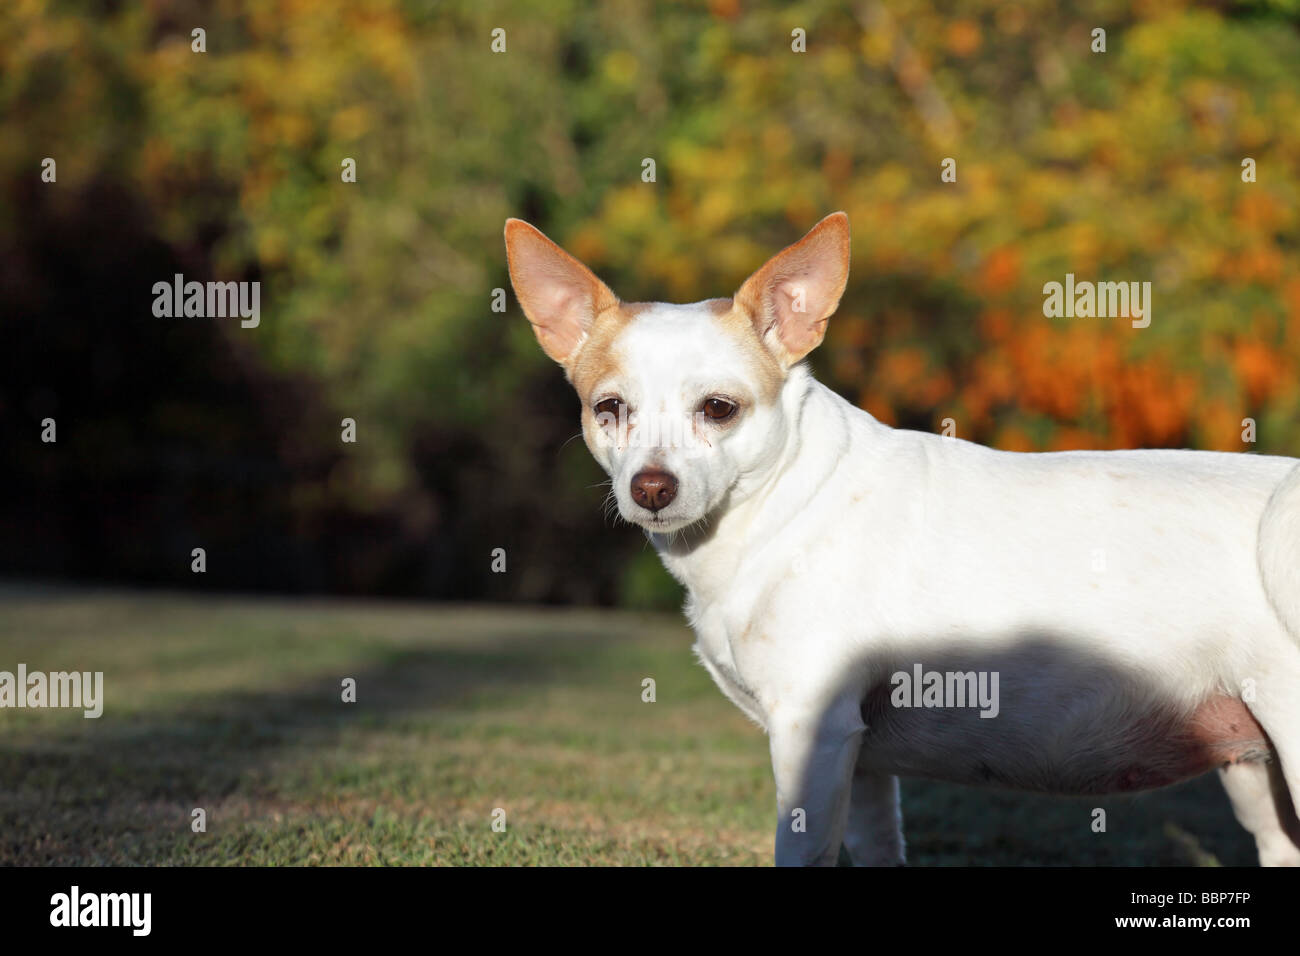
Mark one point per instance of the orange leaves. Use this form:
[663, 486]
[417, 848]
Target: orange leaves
[1001, 270]
[1073, 439]
[1046, 380]
[878, 405]
[1079, 378]
[1258, 211]
[907, 374]
[1261, 370]
[1150, 405]
[726, 9]
[1261, 263]
[963, 38]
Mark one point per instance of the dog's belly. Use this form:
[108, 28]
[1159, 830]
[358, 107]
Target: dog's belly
[1084, 753]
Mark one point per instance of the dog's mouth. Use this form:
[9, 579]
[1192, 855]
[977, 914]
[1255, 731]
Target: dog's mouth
[658, 522]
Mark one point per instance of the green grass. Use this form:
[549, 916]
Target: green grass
[234, 706]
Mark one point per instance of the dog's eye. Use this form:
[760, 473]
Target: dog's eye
[718, 409]
[609, 406]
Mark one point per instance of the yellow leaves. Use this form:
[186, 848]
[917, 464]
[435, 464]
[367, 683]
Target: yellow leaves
[588, 244]
[271, 246]
[293, 130]
[716, 210]
[1013, 438]
[836, 63]
[737, 256]
[877, 46]
[1083, 242]
[1219, 425]
[1253, 132]
[775, 141]
[890, 181]
[390, 49]
[631, 209]
[350, 124]
[620, 68]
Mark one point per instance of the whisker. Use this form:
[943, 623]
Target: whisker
[567, 440]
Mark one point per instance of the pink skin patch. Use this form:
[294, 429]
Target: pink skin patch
[1220, 731]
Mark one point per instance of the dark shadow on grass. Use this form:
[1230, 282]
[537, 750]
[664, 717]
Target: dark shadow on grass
[121, 790]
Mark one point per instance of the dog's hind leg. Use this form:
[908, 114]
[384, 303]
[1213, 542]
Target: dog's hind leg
[1277, 698]
[1263, 806]
[1276, 705]
[874, 833]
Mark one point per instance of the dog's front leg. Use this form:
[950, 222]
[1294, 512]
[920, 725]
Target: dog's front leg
[813, 754]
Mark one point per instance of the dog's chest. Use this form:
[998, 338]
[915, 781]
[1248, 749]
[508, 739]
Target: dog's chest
[713, 646]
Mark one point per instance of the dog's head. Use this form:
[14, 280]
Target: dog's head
[681, 403]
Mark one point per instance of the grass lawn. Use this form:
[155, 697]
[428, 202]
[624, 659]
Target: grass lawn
[233, 706]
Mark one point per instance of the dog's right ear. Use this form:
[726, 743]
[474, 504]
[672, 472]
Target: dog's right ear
[559, 295]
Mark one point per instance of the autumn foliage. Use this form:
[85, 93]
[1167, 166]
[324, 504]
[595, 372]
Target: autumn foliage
[1123, 165]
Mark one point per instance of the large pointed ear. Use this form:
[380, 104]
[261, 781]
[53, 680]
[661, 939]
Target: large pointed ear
[560, 296]
[792, 296]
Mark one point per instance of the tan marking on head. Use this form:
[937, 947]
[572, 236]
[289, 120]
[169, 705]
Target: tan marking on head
[596, 361]
[631, 310]
[766, 372]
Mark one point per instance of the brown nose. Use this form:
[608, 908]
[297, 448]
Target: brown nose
[653, 489]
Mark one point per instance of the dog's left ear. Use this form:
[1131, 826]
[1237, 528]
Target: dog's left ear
[797, 290]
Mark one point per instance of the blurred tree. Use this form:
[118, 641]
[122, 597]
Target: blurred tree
[377, 294]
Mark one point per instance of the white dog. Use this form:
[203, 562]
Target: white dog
[873, 596]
